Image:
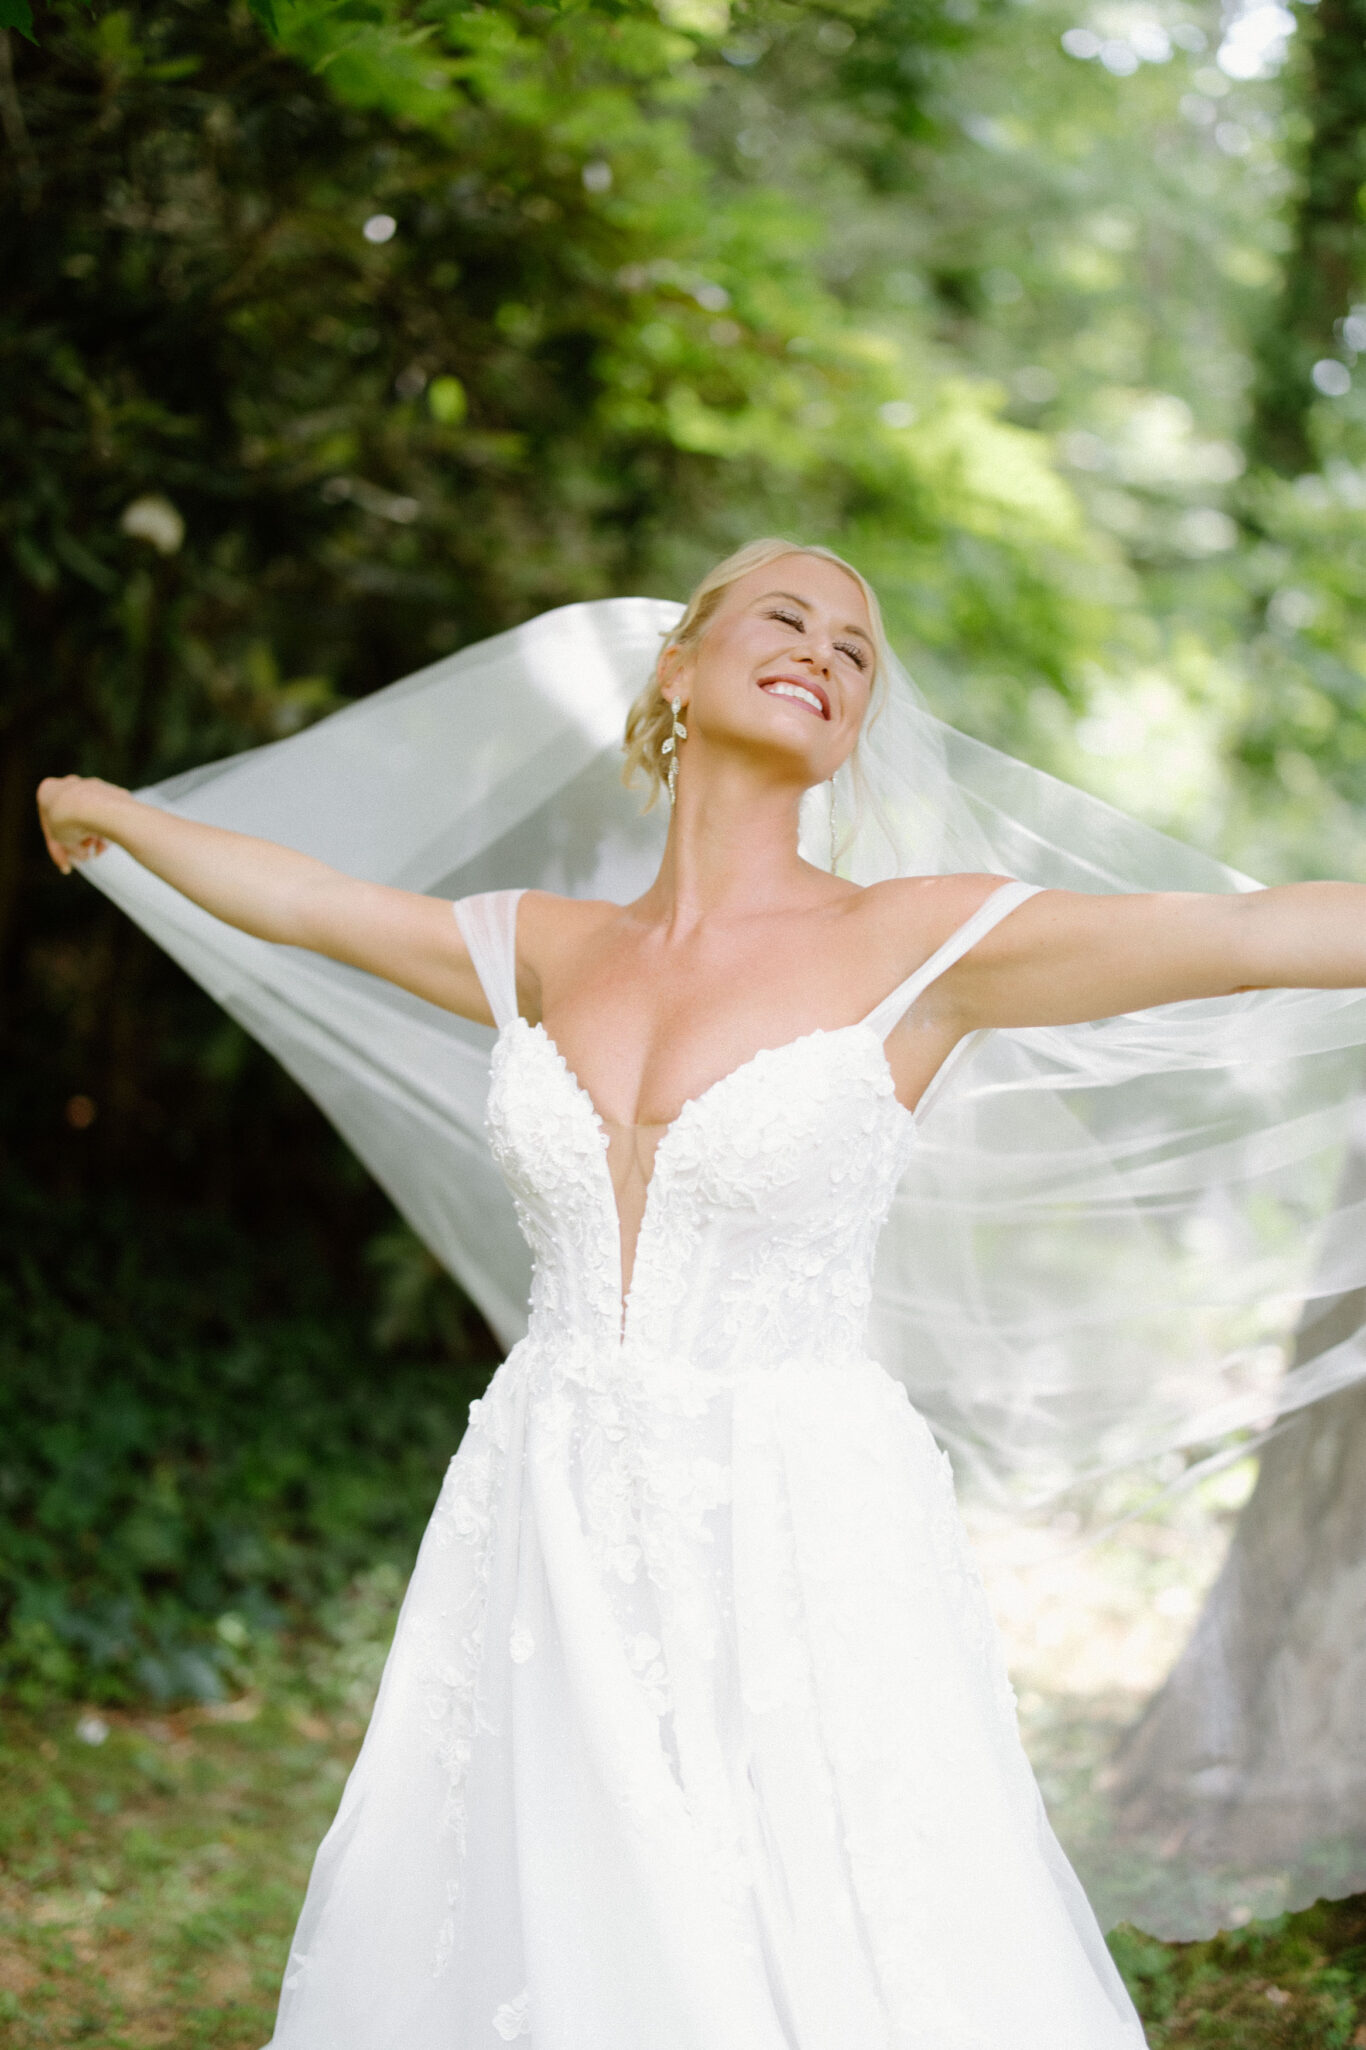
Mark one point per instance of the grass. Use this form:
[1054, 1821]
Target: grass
[149, 1879]
[150, 1886]
[152, 1864]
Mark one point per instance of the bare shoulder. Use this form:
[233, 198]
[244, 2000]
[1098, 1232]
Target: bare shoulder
[909, 917]
[550, 926]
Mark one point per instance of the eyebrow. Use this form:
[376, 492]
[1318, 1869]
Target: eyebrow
[806, 606]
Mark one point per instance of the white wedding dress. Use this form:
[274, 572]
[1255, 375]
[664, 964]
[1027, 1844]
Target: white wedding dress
[695, 1733]
[1108, 1245]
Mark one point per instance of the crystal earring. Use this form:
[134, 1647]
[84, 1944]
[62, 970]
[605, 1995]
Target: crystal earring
[670, 747]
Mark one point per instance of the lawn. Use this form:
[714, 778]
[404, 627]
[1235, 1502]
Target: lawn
[149, 1884]
[151, 1866]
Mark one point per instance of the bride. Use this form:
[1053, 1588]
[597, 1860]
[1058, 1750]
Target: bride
[695, 1733]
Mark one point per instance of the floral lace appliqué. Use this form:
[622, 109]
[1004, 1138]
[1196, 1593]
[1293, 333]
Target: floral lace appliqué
[513, 2018]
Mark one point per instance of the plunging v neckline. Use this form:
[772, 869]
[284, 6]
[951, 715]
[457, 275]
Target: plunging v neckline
[879, 1022]
[625, 1287]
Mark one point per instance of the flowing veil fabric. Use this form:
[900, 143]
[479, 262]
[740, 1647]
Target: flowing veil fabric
[1108, 1231]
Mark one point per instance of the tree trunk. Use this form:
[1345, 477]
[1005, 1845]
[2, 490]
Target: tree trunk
[18, 819]
[1254, 1750]
[1326, 265]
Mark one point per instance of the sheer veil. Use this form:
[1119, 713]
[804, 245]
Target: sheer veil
[1110, 1233]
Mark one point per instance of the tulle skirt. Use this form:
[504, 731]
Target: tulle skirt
[714, 1753]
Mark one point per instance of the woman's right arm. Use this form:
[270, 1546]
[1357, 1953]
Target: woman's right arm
[270, 891]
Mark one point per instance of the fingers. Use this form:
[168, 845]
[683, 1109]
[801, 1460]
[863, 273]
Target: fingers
[66, 839]
[49, 793]
[56, 851]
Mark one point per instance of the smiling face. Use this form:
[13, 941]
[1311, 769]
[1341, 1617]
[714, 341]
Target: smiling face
[783, 670]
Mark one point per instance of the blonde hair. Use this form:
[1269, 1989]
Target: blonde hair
[649, 720]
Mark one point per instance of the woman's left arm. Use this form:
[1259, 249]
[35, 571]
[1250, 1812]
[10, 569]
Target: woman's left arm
[1065, 957]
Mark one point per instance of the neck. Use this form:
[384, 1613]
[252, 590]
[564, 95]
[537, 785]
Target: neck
[732, 846]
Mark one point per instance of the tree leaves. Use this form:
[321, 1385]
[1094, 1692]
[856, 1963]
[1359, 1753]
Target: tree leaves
[17, 14]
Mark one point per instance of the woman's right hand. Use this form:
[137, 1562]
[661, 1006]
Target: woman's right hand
[69, 808]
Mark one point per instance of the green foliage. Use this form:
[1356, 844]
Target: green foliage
[197, 1449]
[1296, 1983]
[17, 14]
[1326, 263]
[260, 463]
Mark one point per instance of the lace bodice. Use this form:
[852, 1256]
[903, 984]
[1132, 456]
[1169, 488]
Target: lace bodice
[767, 1195]
[765, 1203]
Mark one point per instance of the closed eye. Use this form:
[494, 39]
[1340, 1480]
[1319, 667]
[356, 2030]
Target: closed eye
[857, 654]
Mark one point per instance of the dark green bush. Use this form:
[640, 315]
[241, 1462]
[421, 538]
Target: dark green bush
[199, 1442]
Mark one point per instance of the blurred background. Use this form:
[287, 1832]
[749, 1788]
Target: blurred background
[339, 333]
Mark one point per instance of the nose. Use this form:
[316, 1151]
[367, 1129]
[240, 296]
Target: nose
[816, 653]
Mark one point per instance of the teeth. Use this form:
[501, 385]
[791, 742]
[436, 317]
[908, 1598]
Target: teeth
[796, 690]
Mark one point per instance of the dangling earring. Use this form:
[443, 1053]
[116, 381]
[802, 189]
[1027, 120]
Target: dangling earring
[670, 747]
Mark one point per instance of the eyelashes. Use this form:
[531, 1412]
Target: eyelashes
[851, 649]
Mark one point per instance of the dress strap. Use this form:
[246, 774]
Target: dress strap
[893, 1008]
[488, 926]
